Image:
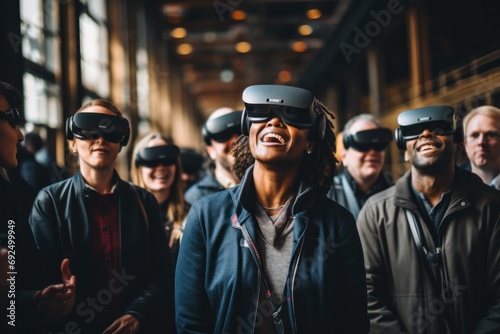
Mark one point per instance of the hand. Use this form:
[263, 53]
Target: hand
[127, 324]
[57, 300]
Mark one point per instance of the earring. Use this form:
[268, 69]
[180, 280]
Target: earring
[309, 151]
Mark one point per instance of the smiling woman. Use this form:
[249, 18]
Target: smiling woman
[93, 219]
[271, 243]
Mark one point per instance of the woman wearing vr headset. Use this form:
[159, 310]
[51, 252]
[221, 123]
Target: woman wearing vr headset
[274, 254]
[111, 233]
[156, 167]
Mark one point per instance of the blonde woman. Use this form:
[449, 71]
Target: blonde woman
[111, 233]
[156, 167]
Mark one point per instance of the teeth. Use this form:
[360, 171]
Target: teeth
[427, 147]
[275, 136]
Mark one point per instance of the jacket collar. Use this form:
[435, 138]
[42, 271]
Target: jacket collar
[464, 181]
[304, 197]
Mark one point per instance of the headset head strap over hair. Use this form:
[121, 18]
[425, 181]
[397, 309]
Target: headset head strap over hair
[294, 106]
[222, 128]
[438, 119]
[94, 125]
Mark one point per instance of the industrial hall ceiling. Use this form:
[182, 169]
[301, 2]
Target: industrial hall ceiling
[223, 46]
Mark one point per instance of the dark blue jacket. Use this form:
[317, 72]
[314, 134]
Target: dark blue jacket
[218, 282]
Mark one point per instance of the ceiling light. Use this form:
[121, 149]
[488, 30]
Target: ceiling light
[243, 47]
[305, 30]
[178, 33]
[285, 76]
[238, 15]
[226, 75]
[299, 46]
[313, 14]
[184, 49]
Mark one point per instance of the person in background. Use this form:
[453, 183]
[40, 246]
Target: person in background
[31, 170]
[156, 167]
[431, 242]
[108, 231]
[192, 166]
[363, 157]
[482, 143]
[274, 254]
[36, 145]
[220, 133]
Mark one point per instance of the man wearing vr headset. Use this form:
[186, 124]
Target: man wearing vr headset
[363, 157]
[220, 132]
[109, 235]
[482, 143]
[432, 241]
[274, 254]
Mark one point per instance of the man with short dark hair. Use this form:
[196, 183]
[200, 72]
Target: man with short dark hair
[220, 132]
[431, 242]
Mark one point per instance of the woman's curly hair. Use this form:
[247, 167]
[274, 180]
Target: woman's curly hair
[318, 167]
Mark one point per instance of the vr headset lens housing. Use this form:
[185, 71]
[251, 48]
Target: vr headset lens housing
[437, 119]
[301, 118]
[222, 128]
[293, 105]
[363, 141]
[93, 125]
[12, 116]
[439, 128]
[153, 156]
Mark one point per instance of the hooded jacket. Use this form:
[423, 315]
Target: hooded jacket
[218, 281]
[401, 298]
[144, 281]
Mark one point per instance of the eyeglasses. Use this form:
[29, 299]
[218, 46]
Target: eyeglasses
[301, 118]
[12, 116]
[490, 136]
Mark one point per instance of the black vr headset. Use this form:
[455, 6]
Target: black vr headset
[363, 141]
[112, 128]
[222, 128]
[293, 105]
[438, 119]
[153, 156]
[12, 116]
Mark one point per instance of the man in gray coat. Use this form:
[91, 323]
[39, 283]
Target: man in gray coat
[431, 242]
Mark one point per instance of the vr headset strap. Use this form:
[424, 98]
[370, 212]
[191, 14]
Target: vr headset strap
[352, 202]
[427, 257]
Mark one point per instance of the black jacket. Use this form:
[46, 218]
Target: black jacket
[144, 281]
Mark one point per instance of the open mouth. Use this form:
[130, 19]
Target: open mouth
[429, 147]
[273, 137]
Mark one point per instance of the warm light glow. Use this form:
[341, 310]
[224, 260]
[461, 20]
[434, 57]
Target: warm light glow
[238, 15]
[313, 14]
[243, 47]
[178, 33]
[285, 76]
[305, 30]
[184, 49]
[299, 46]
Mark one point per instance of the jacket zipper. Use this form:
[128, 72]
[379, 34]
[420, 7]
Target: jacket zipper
[293, 284]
